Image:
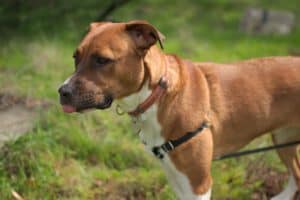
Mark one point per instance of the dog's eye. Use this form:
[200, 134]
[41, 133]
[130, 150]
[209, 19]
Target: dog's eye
[100, 61]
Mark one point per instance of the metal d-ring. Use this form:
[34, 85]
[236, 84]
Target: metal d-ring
[119, 110]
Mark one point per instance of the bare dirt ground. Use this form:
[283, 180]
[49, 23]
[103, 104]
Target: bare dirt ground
[17, 115]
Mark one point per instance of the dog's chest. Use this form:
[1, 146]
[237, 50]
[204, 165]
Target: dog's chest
[147, 123]
[150, 136]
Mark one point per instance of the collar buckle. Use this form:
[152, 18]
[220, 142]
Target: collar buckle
[157, 152]
[168, 146]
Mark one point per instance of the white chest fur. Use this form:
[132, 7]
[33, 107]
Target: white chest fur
[150, 135]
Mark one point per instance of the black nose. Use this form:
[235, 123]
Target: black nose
[65, 92]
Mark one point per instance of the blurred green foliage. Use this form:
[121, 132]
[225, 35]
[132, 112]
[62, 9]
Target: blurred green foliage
[96, 155]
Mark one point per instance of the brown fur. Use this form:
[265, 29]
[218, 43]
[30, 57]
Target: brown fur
[241, 100]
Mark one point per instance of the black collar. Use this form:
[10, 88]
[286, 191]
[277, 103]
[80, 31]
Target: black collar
[170, 145]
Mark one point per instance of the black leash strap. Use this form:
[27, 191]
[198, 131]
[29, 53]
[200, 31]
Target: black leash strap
[259, 150]
[170, 145]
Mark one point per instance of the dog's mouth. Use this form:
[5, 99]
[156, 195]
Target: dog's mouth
[84, 106]
[68, 108]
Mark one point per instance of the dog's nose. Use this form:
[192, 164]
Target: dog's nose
[65, 92]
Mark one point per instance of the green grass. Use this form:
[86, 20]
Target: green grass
[97, 155]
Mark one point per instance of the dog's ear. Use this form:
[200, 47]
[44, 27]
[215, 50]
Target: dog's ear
[144, 34]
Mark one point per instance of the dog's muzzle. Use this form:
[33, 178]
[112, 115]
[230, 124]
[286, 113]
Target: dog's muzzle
[71, 101]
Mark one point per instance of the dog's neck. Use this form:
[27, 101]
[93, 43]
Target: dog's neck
[158, 64]
[130, 102]
[168, 66]
[155, 69]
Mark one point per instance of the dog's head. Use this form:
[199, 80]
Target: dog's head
[109, 64]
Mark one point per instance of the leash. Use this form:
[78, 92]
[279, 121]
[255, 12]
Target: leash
[170, 145]
[258, 150]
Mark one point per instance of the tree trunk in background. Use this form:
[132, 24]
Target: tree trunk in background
[114, 5]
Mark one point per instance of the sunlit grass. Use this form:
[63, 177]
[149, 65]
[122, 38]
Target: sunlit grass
[97, 155]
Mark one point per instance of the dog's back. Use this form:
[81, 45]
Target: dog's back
[253, 97]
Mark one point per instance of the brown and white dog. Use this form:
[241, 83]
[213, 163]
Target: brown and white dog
[240, 101]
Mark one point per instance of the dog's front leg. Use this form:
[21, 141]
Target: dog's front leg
[188, 168]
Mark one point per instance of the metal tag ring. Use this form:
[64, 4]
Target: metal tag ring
[119, 110]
